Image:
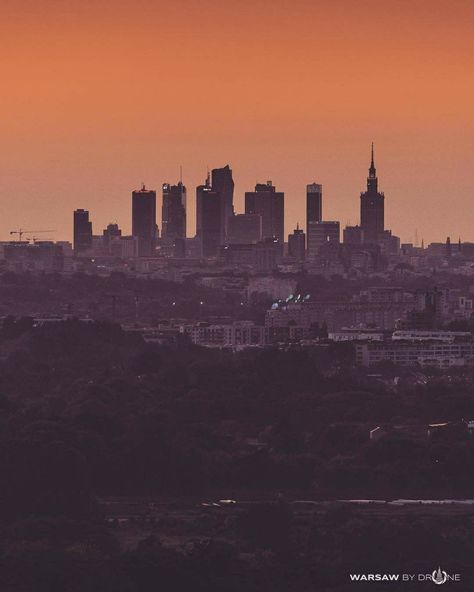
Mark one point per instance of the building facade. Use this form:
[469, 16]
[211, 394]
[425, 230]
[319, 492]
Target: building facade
[144, 227]
[173, 211]
[270, 204]
[372, 207]
[320, 234]
[314, 203]
[82, 231]
[223, 184]
[208, 219]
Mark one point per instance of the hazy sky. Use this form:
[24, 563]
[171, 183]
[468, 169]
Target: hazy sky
[98, 96]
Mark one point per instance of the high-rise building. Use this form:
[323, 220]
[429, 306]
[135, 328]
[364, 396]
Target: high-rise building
[297, 244]
[353, 235]
[321, 233]
[208, 219]
[173, 212]
[223, 184]
[372, 207]
[144, 226]
[314, 203]
[244, 229]
[82, 231]
[270, 204]
[112, 230]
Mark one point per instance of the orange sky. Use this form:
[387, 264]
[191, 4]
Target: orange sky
[98, 96]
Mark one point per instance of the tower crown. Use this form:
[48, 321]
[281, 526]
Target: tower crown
[372, 182]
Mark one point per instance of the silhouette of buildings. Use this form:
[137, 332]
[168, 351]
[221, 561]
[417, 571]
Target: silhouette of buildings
[353, 235]
[144, 226]
[110, 232]
[372, 207]
[82, 231]
[209, 219]
[173, 212]
[314, 203]
[270, 205]
[297, 244]
[223, 184]
[320, 234]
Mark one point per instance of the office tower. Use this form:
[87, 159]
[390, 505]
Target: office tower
[244, 229]
[223, 184]
[314, 203]
[144, 220]
[372, 207]
[270, 204]
[82, 231]
[321, 233]
[208, 219]
[173, 212]
[353, 235]
[112, 230]
[297, 244]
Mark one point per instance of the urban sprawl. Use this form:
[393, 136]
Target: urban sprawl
[393, 313]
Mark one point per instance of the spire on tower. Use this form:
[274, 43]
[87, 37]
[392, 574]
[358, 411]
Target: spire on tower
[372, 182]
[372, 172]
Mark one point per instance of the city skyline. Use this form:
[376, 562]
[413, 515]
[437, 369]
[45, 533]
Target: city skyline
[89, 115]
[237, 349]
[294, 202]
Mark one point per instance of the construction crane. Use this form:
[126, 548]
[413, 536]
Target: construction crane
[20, 232]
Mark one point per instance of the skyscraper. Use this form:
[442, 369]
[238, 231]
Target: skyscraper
[144, 220]
[208, 219]
[270, 204]
[111, 231]
[297, 244]
[223, 184]
[173, 212]
[353, 235]
[314, 203]
[321, 233]
[82, 231]
[372, 207]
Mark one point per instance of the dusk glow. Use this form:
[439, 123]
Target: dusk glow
[100, 96]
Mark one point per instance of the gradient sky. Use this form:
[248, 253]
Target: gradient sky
[98, 96]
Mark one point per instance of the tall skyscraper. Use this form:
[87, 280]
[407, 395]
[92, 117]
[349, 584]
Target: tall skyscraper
[270, 204]
[372, 207]
[82, 231]
[223, 184]
[314, 203]
[144, 220]
[208, 219]
[173, 212]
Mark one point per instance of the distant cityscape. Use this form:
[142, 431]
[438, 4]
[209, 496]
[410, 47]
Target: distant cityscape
[393, 302]
[253, 240]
